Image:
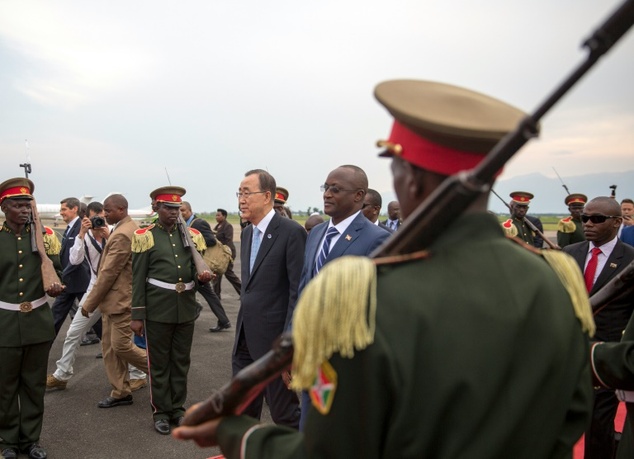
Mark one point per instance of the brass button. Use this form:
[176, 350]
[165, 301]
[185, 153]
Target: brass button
[19, 251]
[179, 266]
[19, 238]
[176, 255]
[20, 266]
[21, 294]
[21, 280]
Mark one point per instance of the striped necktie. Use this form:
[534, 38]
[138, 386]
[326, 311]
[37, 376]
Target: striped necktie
[255, 246]
[325, 248]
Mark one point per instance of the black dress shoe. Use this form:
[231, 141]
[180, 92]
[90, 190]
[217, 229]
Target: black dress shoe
[89, 341]
[35, 451]
[162, 426]
[177, 421]
[9, 453]
[220, 327]
[110, 402]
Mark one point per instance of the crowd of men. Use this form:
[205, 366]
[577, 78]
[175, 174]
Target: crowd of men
[477, 346]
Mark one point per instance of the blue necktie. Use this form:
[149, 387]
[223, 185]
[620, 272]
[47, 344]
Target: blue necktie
[325, 248]
[255, 246]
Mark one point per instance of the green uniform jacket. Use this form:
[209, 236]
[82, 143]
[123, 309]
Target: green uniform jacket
[613, 365]
[477, 354]
[565, 238]
[167, 260]
[21, 280]
[524, 232]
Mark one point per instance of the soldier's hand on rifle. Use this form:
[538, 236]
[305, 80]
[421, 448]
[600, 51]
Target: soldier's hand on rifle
[137, 327]
[55, 289]
[205, 276]
[203, 434]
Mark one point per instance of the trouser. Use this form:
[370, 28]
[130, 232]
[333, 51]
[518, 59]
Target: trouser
[214, 303]
[231, 277]
[168, 349]
[22, 387]
[599, 438]
[119, 351]
[62, 306]
[283, 402]
[78, 327]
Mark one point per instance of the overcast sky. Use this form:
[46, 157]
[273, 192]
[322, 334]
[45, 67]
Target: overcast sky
[112, 94]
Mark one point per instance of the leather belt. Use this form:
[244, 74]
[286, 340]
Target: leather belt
[179, 287]
[25, 306]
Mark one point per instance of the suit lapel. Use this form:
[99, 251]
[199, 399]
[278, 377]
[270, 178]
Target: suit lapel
[346, 239]
[611, 267]
[268, 239]
[580, 255]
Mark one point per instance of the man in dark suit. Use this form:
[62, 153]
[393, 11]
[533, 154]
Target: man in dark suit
[205, 289]
[271, 253]
[394, 216]
[348, 232]
[372, 208]
[224, 233]
[601, 257]
[74, 277]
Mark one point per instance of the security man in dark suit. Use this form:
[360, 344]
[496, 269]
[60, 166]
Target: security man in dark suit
[27, 323]
[205, 290]
[74, 277]
[164, 304]
[601, 257]
[372, 208]
[570, 229]
[394, 216]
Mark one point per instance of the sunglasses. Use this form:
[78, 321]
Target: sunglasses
[596, 218]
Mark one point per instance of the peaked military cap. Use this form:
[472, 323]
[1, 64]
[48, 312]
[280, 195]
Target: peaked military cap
[576, 199]
[168, 195]
[281, 195]
[522, 198]
[440, 127]
[17, 188]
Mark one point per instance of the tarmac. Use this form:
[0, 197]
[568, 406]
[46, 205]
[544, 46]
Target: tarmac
[75, 428]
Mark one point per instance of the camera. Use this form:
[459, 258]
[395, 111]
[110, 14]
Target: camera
[98, 222]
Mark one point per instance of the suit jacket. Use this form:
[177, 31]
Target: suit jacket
[612, 319]
[112, 291]
[398, 223]
[224, 233]
[385, 227]
[74, 277]
[204, 228]
[627, 235]
[269, 292]
[361, 238]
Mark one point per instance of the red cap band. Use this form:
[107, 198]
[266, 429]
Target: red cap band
[15, 191]
[168, 198]
[280, 197]
[429, 155]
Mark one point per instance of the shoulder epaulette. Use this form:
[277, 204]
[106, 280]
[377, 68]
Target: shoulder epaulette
[509, 228]
[566, 225]
[198, 239]
[52, 246]
[143, 240]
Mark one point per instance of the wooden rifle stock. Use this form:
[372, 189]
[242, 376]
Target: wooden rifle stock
[187, 240]
[49, 276]
[432, 216]
[621, 283]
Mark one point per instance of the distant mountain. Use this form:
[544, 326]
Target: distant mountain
[549, 192]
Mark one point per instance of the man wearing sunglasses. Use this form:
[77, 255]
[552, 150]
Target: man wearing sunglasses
[601, 257]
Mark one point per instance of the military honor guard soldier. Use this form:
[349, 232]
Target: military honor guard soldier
[164, 305]
[27, 323]
[494, 365]
[570, 229]
[516, 226]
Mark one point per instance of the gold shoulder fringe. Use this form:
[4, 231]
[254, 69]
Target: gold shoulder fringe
[566, 225]
[510, 230]
[568, 272]
[143, 240]
[333, 316]
[52, 246]
[198, 239]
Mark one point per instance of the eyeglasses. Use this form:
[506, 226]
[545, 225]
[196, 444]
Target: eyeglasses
[246, 194]
[332, 188]
[596, 218]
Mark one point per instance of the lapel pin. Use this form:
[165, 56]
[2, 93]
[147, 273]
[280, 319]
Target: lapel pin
[348, 237]
[268, 236]
[612, 265]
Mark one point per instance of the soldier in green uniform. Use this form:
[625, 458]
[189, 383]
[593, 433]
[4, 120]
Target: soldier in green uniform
[26, 322]
[443, 353]
[520, 201]
[570, 229]
[164, 305]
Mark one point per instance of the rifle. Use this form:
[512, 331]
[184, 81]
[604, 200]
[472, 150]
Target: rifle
[200, 264]
[562, 182]
[621, 283]
[446, 203]
[613, 191]
[49, 276]
[530, 224]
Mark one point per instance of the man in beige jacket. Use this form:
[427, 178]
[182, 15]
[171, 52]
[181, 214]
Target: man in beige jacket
[112, 293]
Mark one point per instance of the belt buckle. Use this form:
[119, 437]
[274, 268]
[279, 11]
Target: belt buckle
[26, 306]
[180, 287]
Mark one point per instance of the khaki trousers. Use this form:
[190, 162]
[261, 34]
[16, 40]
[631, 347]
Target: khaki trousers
[118, 351]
